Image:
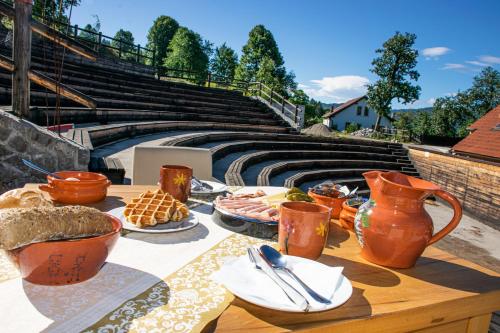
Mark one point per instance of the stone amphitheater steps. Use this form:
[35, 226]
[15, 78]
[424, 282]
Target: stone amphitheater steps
[42, 115]
[279, 168]
[224, 149]
[325, 174]
[197, 139]
[307, 159]
[105, 134]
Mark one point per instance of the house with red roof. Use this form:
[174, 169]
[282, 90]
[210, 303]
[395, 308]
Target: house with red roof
[354, 111]
[483, 142]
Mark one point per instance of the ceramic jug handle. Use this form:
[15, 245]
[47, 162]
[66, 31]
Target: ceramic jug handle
[457, 215]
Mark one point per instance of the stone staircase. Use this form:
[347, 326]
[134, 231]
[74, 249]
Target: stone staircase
[124, 92]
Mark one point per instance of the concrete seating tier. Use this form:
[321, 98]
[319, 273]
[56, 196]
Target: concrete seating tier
[104, 116]
[104, 134]
[349, 177]
[309, 159]
[196, 139]
[270, 171]
[226, 148]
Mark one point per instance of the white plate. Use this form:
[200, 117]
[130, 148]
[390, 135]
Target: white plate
[190, 222]
[216, 188]
[242, 279]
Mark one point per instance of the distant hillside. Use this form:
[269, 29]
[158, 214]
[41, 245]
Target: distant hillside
[330, 105]
[428, 109]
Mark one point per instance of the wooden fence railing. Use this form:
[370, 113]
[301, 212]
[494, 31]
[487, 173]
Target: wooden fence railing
[98, 42]
[20, 63]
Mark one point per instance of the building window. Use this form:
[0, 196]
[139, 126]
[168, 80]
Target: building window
[358, 110]
[366, 111]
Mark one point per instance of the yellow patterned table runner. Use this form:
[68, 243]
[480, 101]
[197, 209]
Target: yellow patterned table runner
[185, 301]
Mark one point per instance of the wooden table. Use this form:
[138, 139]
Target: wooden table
[442, 293]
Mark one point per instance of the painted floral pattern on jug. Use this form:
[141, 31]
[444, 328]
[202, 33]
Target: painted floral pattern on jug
[362, 219]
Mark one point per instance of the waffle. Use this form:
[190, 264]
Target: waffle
[152, 208]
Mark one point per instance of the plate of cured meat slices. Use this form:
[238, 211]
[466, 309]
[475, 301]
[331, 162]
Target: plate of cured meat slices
[249, 207]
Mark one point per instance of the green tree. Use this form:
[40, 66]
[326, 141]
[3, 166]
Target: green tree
[299, 97]
[261, 50]
[92, 30]
[452, 115]
[159, 36]
[267, 73]
[53, 10]
[421, 124]
[127, 46]
[188, 51]
[485, 92]
[395, 68]
[223, 64]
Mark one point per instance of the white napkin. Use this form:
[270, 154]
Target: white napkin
[242, 278]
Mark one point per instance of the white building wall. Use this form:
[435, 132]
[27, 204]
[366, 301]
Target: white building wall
[349, 116]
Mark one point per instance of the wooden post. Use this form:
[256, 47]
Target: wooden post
[76, 30]
[296, 113]
[153, 61]
[21, 54]
[99, 42]
[283, 105]
[209, 78]
[138, 57]
[119, 48]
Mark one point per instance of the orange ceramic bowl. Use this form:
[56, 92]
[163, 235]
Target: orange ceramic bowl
[91, 187]
[57, 263]
[334, 203]
[346, 217]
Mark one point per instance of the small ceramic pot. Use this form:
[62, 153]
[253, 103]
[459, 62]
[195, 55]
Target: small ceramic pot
[347, 214]
[176, 180]
[91, 187]
[65, 262]
[334, 203]
[303, 229]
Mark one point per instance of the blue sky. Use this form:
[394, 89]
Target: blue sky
[330, 44]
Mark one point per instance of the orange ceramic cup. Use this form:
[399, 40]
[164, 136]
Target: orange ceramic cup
[176, 180]
[303, 229]
[334, 203]
[63, 262]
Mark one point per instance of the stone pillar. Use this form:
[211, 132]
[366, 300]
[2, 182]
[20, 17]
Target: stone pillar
[21, 54]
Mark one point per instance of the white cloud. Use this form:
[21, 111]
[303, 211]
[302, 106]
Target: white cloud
[336, 88]
[477, 63]
[490, 59]
[431, 101]
[454, 66]
[435, 52]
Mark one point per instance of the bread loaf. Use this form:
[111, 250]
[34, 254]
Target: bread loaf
[21, 226]
[23, 198]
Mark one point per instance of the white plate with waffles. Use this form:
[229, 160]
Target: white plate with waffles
[187, 223]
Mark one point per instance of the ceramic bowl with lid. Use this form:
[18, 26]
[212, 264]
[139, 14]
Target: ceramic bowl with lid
[77, 187]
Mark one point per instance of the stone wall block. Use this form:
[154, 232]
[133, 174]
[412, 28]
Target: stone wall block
[22, 139]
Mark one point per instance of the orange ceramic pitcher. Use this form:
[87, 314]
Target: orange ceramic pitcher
[393, 227]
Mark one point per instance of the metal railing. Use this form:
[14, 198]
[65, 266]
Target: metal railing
[99, 42]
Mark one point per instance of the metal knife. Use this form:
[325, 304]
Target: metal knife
[296, 297]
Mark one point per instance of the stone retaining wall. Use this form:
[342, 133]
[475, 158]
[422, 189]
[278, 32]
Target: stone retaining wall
[476, 184]
[22, 139]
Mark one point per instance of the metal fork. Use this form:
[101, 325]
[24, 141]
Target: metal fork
[292, 294]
